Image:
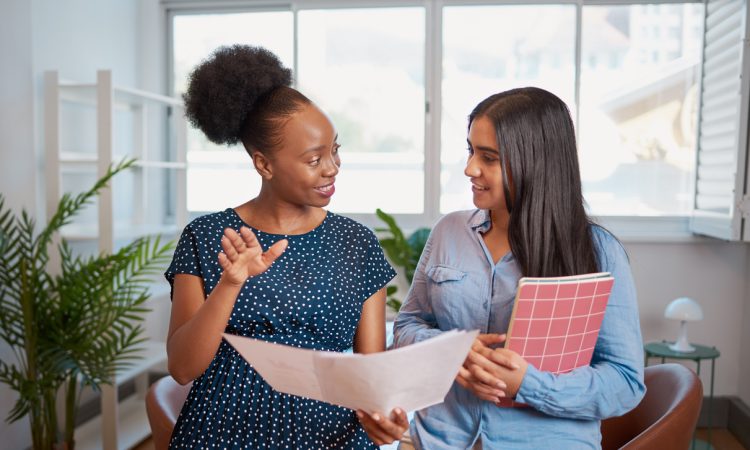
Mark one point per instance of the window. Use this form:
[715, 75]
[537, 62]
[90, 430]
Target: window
[365, 68]
[218, 176]
[629, 73]
[638, 114]
[488, 49]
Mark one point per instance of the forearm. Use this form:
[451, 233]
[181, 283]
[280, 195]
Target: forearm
[192, 347]
[588, 393]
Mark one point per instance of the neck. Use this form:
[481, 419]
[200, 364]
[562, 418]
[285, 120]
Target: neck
[499, 220]
[272, 214]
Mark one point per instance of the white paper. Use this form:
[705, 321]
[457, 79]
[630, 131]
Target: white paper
[411, 377]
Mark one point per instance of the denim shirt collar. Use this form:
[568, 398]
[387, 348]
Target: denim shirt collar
[480, 220]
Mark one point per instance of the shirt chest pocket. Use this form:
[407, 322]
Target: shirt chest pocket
[446, 287]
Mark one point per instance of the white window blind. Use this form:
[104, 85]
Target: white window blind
[723, 119]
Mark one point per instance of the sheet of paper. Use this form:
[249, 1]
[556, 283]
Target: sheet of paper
[411, 377]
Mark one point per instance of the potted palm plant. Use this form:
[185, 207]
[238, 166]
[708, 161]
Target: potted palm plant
[69, 326]
[402, 251]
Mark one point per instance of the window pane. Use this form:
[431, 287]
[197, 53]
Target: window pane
[488, 49]
[218, 176]
[639, 75]
[365, 68]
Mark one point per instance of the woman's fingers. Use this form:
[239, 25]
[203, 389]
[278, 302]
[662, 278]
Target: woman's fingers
[485, 392]
[384, 430]
[248, 237]
[275, 251]
[224, 261]
[229, 250]
[500, 357]
[235, 239]
[491, 338]
[487, 378]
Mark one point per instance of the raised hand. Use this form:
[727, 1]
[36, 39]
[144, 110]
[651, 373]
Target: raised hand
[242, 256]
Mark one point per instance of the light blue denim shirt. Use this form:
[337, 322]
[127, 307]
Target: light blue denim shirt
[457, 285]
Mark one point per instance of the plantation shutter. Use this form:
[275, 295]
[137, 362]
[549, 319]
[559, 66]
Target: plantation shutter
[721, 166]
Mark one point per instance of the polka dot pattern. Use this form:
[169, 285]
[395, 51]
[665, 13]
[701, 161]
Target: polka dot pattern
[311, 297]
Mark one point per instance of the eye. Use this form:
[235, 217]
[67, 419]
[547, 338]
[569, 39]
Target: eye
[489, 158]
[336, 148]
[315, 161]
[470, 150]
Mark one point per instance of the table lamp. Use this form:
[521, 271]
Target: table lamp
[685, 310]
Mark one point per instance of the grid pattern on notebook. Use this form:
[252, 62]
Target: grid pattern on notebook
[555, 325]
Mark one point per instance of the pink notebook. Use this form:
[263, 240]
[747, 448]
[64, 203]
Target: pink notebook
[556, 321]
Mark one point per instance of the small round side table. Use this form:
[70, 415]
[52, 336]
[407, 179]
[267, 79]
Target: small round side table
[662, 350]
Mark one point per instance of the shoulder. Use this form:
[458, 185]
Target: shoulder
[609, 249]
[210, 224]
[456, 220]
[350, 229]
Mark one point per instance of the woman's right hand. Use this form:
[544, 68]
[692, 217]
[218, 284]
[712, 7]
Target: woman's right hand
[384, 430]
[478, 372]
[243, 257]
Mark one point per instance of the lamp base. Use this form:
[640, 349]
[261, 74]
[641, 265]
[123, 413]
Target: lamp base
[682, 345]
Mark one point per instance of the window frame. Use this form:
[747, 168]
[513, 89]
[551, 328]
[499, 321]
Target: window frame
[664, 228]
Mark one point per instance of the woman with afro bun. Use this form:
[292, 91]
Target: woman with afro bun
[278, 267]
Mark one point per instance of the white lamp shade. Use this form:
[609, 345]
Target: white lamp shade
[684, 309]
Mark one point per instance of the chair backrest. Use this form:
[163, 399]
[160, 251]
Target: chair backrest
[164, 401]
[665, 418]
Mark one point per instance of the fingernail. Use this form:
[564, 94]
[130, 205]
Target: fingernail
[398, 410]
[376, 417]
[359, 414]
[502, 385]
[501, 395]
[516, 366]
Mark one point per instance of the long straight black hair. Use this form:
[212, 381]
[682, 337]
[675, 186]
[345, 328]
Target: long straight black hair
[549, 230]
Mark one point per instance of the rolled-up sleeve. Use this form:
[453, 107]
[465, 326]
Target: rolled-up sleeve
[613, 383]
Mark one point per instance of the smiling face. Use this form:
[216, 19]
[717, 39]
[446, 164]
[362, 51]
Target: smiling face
[483, 166]
[302, 171]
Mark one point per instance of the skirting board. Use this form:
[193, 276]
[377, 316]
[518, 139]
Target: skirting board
[728, 412]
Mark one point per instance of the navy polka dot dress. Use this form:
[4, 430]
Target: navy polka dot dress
[311, 297]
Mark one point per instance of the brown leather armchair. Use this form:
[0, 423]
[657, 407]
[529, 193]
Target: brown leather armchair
[665, 418]
[164, 401]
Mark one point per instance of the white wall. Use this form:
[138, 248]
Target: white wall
[744, 356]
[75, 37]
[714, 274]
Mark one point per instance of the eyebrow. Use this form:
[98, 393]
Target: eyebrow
[483, 148]
[319, 147]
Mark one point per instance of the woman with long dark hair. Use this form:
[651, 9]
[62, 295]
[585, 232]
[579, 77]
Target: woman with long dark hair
[530, 221]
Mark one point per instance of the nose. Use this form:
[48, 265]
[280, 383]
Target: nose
[472, 169]
[331, 166]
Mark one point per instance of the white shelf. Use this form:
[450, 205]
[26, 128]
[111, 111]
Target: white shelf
[84, 232]
[122, 424]
[153, 356]
[133, 427]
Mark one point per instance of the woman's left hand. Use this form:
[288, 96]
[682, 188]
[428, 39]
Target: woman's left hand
[488, 363]
[384, 430]
[512, 377]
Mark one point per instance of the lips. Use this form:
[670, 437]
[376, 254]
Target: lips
[326, 190]
[478, 187]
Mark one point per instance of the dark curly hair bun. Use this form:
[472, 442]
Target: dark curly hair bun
[223, 89]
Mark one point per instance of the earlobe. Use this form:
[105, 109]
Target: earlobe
[262, 165]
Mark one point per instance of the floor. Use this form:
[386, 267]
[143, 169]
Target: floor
[721, 439]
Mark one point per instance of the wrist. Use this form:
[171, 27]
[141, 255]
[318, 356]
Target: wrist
[226, 282]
